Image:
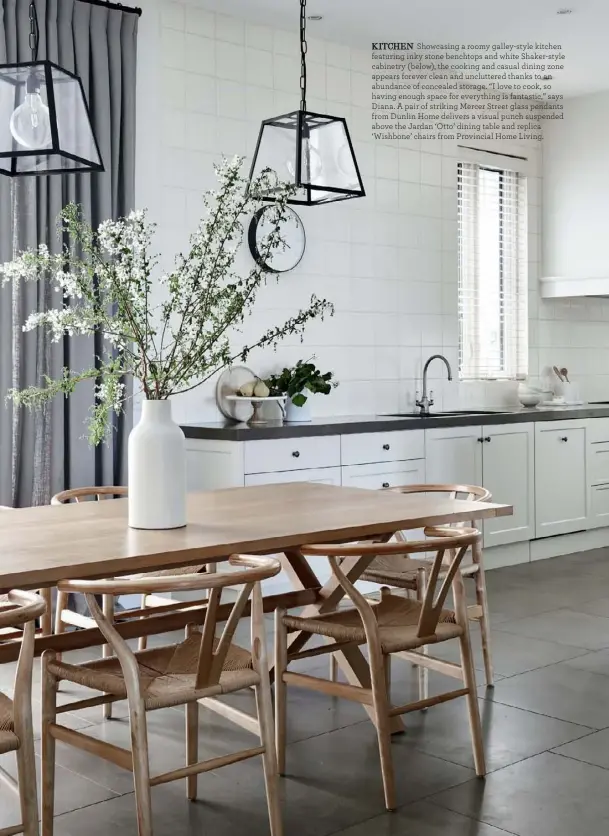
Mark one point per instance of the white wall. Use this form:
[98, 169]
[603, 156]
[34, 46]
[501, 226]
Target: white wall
[388, 261]
[576, 189]
[575, 332]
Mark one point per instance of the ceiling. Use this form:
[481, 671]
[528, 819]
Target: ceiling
[582, 34]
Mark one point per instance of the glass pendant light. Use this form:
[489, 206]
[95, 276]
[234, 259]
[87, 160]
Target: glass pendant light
[45, 126]
[311, 150]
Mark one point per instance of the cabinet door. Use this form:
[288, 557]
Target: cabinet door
[508, 472]
[561, 482]
[454, 456]
[384, 474]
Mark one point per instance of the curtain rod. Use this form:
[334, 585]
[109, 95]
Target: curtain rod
[118, 6]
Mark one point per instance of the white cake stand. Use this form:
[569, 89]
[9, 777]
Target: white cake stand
[256, 403]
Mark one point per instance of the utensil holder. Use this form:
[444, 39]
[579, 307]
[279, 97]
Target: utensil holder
[568, 391]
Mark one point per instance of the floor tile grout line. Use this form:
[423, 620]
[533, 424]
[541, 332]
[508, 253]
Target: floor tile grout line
[430, 800]
[574, 646]
[94, 804]
[579, 760]
[588, 733]
[541, 714]
[542, 667]
[398, 810]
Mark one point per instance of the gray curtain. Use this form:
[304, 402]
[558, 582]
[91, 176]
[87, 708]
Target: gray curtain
[43, 452]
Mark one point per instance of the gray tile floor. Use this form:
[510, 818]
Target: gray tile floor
[546, 726]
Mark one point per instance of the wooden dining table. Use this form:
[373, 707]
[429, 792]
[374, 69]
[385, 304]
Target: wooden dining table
[43, 545]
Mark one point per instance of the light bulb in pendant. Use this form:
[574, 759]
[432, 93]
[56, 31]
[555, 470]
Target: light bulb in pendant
[311, 164]
[344, 161]
[30, 123]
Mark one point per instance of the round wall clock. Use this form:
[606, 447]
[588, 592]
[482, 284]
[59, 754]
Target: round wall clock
[282, 259]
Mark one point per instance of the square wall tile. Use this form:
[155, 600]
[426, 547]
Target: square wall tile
[230, 61]
[387, 261]
[199, 22]
[230, 29]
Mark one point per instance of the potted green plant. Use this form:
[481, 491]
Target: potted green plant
[299, 383]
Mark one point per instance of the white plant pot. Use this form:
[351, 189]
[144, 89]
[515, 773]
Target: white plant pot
[157, 470]
[295, 414]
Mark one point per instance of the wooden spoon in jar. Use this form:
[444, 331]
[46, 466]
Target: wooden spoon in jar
[565, 373]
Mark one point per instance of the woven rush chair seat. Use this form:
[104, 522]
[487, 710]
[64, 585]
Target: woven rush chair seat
[397, 619]
[413, 574]
[66, 611]
[394, 627]
[201, 668]
[167, 674]
[8, 739]
[404, 572]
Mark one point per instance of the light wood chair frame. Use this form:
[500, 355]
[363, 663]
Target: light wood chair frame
[21, 610]
[478, 612]
[252, 570]
[64, 615]
[377, 694]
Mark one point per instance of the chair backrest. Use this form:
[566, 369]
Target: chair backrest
[19, 607]
[212, 653]
[93, 493]
[473, 493]
[470, 492]
[455, 546]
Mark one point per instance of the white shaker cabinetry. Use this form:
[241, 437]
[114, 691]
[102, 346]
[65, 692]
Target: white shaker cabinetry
[508, 472]
[323, 475]
[598, 471]
[454, 455]
[384, 474]
[498, 457]
[561, 478]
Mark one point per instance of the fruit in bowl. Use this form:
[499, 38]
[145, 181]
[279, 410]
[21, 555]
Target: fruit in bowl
[254, 389]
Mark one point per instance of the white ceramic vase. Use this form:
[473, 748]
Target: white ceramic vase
[157, 470]
[298, 414]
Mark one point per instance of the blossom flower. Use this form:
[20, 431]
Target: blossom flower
[172, 331]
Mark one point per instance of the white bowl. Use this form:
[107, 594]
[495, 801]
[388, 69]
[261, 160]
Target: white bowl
[529, 398]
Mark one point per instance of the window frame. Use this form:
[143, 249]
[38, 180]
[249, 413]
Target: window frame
[506, 368]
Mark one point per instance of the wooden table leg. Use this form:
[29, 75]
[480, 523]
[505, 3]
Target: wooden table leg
[46, 619]
[350, 660]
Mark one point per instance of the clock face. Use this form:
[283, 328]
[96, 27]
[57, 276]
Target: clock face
[281, 259]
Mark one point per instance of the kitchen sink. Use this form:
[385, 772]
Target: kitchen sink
[448, 413]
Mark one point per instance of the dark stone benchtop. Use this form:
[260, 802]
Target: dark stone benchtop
[342, 425]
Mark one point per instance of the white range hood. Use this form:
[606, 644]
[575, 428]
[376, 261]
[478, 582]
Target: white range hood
[556, 287]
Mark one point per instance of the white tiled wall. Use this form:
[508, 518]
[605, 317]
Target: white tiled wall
[388, 261]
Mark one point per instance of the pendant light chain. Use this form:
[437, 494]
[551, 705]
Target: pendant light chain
[34, 31]
[315, 149]
[303, 54]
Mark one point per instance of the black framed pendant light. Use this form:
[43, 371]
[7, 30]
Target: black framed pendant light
[45, 125]
[311, 150]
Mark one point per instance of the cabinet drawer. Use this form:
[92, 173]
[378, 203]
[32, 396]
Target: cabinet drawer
[599, 504]
[598, 462]
[598, 429]
[291, 454]
[324, 475]
[384, 475]
[365, 448]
